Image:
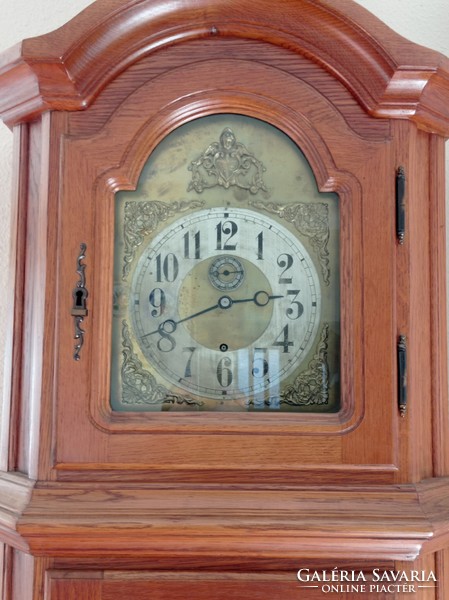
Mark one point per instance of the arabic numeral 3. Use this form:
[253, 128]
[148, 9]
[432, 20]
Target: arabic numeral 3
[296, 308]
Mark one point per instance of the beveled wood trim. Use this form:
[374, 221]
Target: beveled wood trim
[434, 500]
[10, 410]
[439, 358]
[66, 69]
[173, 475]
[214, 49]
[15, 494]
[210, 524]
[6, 572]
[442, 566]
[35, 299]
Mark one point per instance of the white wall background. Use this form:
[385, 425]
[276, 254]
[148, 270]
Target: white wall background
[423, 21]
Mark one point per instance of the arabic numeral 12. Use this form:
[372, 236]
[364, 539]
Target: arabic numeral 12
[228, 228]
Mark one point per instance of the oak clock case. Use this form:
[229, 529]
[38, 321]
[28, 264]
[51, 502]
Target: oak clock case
[226, 269]
[215, 298]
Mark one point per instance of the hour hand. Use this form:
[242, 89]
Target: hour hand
[260, 298]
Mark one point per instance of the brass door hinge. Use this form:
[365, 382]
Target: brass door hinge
[400, 204]
[402, 375]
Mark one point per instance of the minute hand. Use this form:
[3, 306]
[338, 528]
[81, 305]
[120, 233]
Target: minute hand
[174, 324]
[197, 314]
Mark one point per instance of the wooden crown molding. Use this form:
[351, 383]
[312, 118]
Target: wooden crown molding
[66, 69]
[354, 522]
[15, 495]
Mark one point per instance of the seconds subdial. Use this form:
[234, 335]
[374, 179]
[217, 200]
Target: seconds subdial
[226, 273]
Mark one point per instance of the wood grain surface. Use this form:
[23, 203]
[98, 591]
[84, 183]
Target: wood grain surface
[100, 505]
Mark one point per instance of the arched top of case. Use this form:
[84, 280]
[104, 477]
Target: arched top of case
[66, 69]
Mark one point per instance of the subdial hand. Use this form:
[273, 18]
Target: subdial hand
[226, 272]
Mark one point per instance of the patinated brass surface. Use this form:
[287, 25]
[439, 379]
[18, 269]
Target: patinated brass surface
[226, 276]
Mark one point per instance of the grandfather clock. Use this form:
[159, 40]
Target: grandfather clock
[228, 332]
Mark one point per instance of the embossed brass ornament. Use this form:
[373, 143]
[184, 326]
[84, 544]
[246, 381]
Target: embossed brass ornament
[227, 163]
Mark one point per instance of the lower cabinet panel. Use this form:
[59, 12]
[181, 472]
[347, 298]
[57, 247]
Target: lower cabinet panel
[201, 587]
[75, 589]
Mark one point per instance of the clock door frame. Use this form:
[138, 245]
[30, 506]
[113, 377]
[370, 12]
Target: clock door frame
[281, 447]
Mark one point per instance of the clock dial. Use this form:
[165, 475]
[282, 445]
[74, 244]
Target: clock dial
[233, 317]
[226, 273]
[226, 276]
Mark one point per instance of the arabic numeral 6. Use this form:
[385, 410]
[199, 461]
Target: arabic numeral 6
[224, 373]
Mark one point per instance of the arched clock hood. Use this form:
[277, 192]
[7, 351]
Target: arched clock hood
[66, 69]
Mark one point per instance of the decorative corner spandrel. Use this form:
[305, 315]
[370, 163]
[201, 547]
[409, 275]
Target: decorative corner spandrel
[139, 386]
[142, 218]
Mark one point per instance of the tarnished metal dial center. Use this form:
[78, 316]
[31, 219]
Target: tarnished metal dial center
[226, 273]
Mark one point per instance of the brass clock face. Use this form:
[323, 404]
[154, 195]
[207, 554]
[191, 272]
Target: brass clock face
[226, 294]
[226, 304]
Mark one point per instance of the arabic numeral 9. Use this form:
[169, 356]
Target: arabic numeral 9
[157, 301]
